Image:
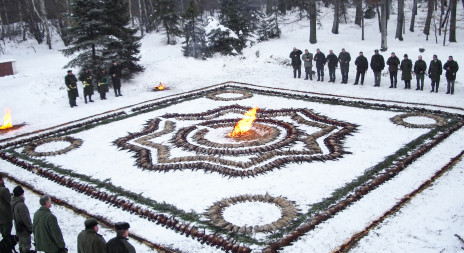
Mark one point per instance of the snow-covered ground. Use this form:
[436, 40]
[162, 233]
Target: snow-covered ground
[37, 97]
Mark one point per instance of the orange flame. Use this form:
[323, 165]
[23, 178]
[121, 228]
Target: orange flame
[244, 125]
[7, 120]
[160, 87]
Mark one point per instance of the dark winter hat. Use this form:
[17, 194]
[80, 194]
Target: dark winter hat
[18, 191]
[393, 53]
[90, 223]
[122, 226]
[376, 50]
[451, 57]
[405, 55]
[361, 52]
[69, 71]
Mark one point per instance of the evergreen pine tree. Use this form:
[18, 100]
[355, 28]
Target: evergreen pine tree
[269, 26]
[221, 39]
[165, 15]
[194, 33]
[123, 45]
[87, 33]
[242, 17]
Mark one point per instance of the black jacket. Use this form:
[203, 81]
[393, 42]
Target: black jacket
[435, 70]
[332, 60]
[320, 60]
[420, 67]
[393, 63]
[361, 63]
[451, 72]
[377, 63]
[295, 56]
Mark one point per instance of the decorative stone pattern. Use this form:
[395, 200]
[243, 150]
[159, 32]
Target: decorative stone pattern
[288, 210]
[30, 149]
[399, 119]
[272, 151]
[216, 95]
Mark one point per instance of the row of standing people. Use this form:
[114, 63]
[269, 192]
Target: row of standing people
[47, 233]
[377, 64]
[101, 80]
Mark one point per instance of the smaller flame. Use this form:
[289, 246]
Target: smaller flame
[160, 87]
[245, 124]
[7, 120]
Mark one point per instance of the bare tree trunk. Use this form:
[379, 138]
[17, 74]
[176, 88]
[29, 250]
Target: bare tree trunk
[428, 20]
[44, 19]
[142, 20]
[336, 16]
[446, 27]
[452, 32]
[7, 23]
[131, 17]
[400, 21]
[359, 12]
[442, 11]
[312, 22]
[413, 15]
[362, 27]
[383, 44]
[148, 26]
[379, 17]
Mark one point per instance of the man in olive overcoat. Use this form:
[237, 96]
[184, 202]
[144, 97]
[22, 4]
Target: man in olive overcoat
[435, 71]
[22, 220]
[6, 214]
[406, 68]
[47, 232]
[344, 58]
[307, 59]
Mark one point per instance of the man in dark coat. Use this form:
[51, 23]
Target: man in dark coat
[320, 63]
[419, 69]
[296, 61]
[119, 244]
[332, 63]
[22, 220]
[451, 68]
[344, 58]
[393, 62]
[47, 233]
[307, 59]
[89, 240]
[377, 65]
[71, 85]
[406, 68]
[102, 83]
[435, 71]
[361, 67]
[86, 79]
[115, 73]
[6, 214]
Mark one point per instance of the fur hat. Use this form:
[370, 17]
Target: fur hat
[122, 226]
[18, 191]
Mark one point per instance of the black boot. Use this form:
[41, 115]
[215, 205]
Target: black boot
[85, 99]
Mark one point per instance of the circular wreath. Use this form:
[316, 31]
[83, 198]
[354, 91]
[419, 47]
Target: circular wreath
[30, 149]
[215, 95]
[288, 213]
[399, 120]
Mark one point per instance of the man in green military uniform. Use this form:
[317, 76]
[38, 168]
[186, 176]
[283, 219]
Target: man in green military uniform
[88, 240]
[86, 79]
[71, 85]
[119, 244]
[406, 68]
[307, 59]
[47, 233]
[6, 215]
[22, 220]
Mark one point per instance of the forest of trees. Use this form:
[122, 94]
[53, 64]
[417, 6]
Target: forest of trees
[99, 33]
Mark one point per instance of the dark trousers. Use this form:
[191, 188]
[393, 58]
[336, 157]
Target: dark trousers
[420, 81]
[296, 68]
[393, 79]
[117, 86]
[358, 73]
[308, 71]
[332, 74]
[5, 229]
[344, 76]
[72, 98]
[407, 84]
[450, 86]
[377, 76]
[320, 73]
[435, 85]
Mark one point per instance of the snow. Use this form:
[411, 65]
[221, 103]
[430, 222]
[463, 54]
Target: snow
[37, 97]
